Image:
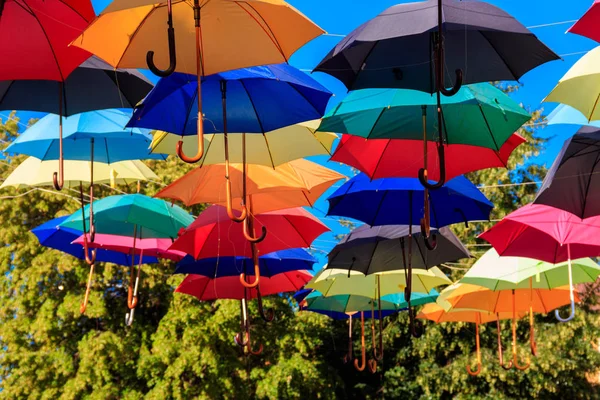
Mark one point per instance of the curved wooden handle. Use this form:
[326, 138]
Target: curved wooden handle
[249, 235]
[423, 173]
[348, 357]
[429, 240]
[256, 263]
[83, 305]
[238, 339]
[229, 202]
[372, 366]
[249, 347]
[270, 314]
[199, 153]
[172, 54]
[90, 260]
[478, 370]
[361, 367]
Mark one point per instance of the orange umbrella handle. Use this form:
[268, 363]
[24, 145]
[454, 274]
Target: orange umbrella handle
[83, 305]
[514, 335]
[363, 364]
[58, 180]
[478, 370]
[249, 232]
[255, 261]
[372, 364]
[270, 314]
[131, 300]
[229, 199]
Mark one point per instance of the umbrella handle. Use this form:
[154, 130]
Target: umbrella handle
[348, 357]
[90, 260]
[572, 315]
[83, 305]
[416, 326]
[423, 172]
[238, 339]
[478, 370]
[248, 234]
[532, 343]
[500, 355]
[363, 363]
[172, 55]
[256, 270]
[270, 314]
[457, 84]
[229, 204]
[514, 341]
[58, 179]
[429, 239]
[132, 298]
[194, 159]
[241, 339]
[458, 210]
[372, 364]
[249, 346]
[129, 317]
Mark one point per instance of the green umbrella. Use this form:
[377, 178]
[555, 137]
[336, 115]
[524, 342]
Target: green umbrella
[479, 115]
[133, 215]
[507, 273]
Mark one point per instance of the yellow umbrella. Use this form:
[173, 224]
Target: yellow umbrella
[215, 36]
[437, 314]
[271, 149]
[580, 86]
[34, 172]
[298, 183]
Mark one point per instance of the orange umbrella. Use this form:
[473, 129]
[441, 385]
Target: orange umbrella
[294, 184]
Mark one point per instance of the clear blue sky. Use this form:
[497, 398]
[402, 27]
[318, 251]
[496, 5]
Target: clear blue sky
[342, 16]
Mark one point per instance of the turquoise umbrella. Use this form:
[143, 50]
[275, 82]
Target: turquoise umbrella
[567, 115]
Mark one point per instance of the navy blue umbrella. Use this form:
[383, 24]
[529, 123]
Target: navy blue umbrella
[270, 264]
[59, 238]
[400, 201]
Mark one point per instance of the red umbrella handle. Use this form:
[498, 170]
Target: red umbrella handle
[172, 54]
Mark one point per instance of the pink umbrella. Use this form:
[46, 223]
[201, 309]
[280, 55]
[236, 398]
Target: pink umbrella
[546, 233]
[124, 244]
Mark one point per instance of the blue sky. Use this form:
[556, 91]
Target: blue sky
[339, 17]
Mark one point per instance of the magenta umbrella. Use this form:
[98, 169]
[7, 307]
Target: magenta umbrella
[549, 234]
[124, 244]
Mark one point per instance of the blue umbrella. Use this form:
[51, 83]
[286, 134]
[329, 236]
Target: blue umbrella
[270, 264]
[92, 136]
[400, 201]
[51, 235]
[567, 115]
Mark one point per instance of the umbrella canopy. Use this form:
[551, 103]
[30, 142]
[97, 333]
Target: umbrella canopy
[478, 115]
[37, 33]
[124, 244]
[461, 296]
[378, 158]
[587, 25]
[112, 143]
[394, 201]
[51, 234]
[573, 183]
[270, 264]
[580, 86]
[34, 172]
[270, 149]
[230, 287]
[385, 248]
[124, 214]
[258, 100]
[295, 184]
[333, 282]
[234, 35]
[435, 312]
[504, 273]
[213, 234]
[94, 85]
[396, 49]
[545, 233]
[564, 114]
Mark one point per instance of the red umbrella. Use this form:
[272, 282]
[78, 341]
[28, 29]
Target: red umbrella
[546, 233]
[379, 158]
[588, 25]
[42, 30]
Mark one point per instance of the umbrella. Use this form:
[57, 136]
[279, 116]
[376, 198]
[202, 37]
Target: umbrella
[572, 183]
[93, 86]
[125, 244]
[213, 234]
[548, 234]
[461, 296]
[37, 34]
[386, 201]
[228, 35]
[378, 158]
[506, 273]
[269, 149]
[587, 25]
[230, 287]
[295, 184]
[51, 234]
[136, 216]
[579, 87]
[398, 48]
[437, 314]
[564, 114]
[34, 172]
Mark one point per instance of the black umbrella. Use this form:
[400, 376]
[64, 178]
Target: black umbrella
[573, 182]
[94, 85]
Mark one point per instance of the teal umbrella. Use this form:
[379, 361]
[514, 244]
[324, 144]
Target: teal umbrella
[133, 215]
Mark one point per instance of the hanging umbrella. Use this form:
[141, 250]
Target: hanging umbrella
[34, 172]
[572, 183]
[230, 287]
[568, 115]
[37, 34]
[378, 158]
[92, 86]
[257, 34]
[437, 314]
[269, 149]
[587, 25]
[506, 273]
[548, 234]
[386, 201]
[295, 184]
[125, 244]
[579, 87]
[386, 248]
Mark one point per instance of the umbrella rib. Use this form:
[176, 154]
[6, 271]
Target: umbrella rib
[378, 206]
[380, 158]
[313, 133]
[594, 108]
[488, 126]
[272, 34]
[189, 111]
[502, 58]
[6, 92]
[305, 98]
